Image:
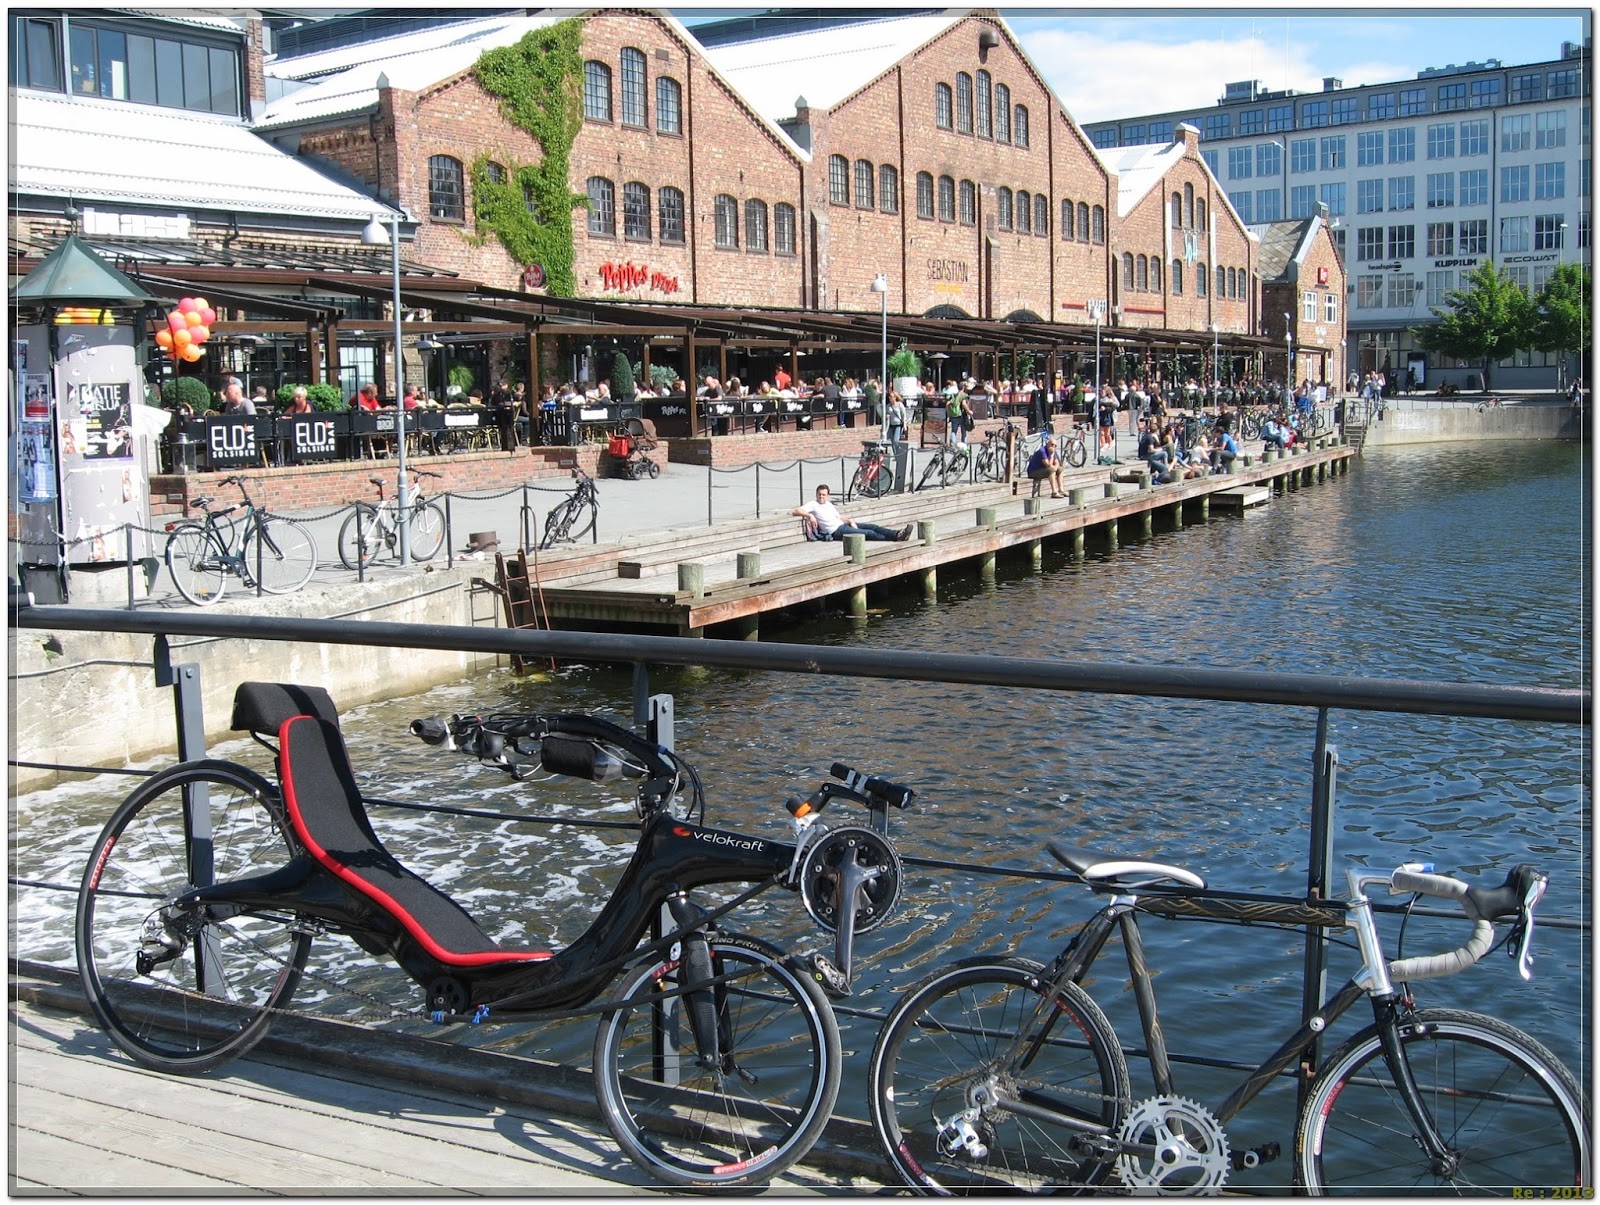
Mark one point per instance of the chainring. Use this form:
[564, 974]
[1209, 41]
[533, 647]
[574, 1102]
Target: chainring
[819, 877]
[1190, 1156]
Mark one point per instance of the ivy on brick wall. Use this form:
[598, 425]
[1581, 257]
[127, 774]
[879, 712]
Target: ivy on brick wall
[538, 83]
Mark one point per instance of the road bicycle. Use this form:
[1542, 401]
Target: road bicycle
[258, 547]
[1000, 1074]
[371, 530]
[575, 515]
[717, 1055]
[1073, 448]
[996, 457]
[1489, 403]
[874, 475]
[946, 466]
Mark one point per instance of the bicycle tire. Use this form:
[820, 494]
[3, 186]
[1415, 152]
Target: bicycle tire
[426, 534]
[288, 554]
[1511, 1113]
[987, 466]
[195, 564]
[213, 999]
[1250, 425]
[933, 474]
[746, 1120]
[357, 554]
[955, 467]
[1077, 453]
[879, 479]
[941, 1047]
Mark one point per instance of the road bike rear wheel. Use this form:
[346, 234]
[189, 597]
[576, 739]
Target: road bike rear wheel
[950, 1053]
[933, 474]
[360, 539]
[195, 562]
[1077, 454]
[878, 479]
[990, 464]
[426, 535]
[288, 554]
[750, 1116]
[1510, 1113]
[955, 466]
[182, 987]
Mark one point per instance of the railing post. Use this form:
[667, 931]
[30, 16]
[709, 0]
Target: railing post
[1319, 874]
[527, 518]
[127, 536]
[361, 543]
[666, 1039]
[449, 541]
[256, 519]
[758, 489]
[710, 472]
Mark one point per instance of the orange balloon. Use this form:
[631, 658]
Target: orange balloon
[199, 334]
[182, 338]
[192, 352]
[164, 338]
[192, 318]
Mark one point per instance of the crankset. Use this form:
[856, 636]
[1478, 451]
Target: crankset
[1172, 1147]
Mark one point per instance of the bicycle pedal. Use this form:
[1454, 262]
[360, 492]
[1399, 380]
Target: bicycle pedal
[829, 976]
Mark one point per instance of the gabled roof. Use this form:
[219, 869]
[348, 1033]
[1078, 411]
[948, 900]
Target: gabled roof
[105, 150]
[1138, 169]
[823, 65]
[1284, 247]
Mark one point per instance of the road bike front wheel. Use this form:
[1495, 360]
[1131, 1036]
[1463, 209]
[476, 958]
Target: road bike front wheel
[877, 480]
[956, 1049]
[1511, 1115]
[183, 987]
[195, 562]
[1077, 454]
[748, 1115]
[360, 539]
[287, 554]
[955, 467]
[933, 474]
[426, 534]
[988, 464]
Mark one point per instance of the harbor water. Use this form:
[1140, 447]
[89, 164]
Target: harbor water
[1455, 563]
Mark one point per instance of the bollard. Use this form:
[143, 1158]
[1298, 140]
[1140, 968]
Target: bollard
[986, 516]
[926, 529]
[855, 547]
[1113, 489]
[1033, 506]
[1144, 480]
[692, 579]
[1078, 495]
[749, 564]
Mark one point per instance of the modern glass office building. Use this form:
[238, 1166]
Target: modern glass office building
[1424, 179]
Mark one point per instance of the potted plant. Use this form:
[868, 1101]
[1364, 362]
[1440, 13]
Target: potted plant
[905, 370]
[186, 391]
[622, 389]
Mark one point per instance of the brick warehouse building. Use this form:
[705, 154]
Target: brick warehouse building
[726, 170]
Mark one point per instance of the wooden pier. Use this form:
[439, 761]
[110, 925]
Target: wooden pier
[721, 580]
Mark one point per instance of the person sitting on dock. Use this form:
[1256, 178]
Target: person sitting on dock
[1224, 451]
[1045, 465]
[1274, 434]
[832, 524]
[1151, 450]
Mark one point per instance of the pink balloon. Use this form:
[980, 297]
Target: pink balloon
[186, 303]
[208, 315]
[175, 321]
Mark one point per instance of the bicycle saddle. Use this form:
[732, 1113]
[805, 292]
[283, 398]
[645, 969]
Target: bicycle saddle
[1097, 868]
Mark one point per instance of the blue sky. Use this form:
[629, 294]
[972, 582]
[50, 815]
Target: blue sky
[1106, 63]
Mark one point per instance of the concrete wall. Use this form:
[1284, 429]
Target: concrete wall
[1464, 421]
[89, 698]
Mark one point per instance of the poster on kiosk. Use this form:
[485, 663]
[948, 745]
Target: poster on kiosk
[84, 442]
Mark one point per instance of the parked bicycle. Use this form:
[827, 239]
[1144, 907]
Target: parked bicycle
[874, 475]
[999, 1074]
[257, 547]
[1074, 448]
[716, 1059]
[946, 466]
[575, 515]
[999, 451]
[370, 530]
[1490, 403]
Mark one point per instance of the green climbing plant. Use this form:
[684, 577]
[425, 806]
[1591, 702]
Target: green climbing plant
[529, 207]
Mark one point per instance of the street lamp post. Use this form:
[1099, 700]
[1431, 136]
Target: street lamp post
[1288, 366]
[880, 286]
[1097, 310]
[1216, 367]
[374, 235]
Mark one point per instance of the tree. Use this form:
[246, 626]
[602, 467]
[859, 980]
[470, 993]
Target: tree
[1561, 312]
[1485, 320]
[622, 389]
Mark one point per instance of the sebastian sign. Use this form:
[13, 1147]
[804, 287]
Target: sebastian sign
[635, 276]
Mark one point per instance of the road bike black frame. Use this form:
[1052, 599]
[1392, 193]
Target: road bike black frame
[221, 538]
[559, 519]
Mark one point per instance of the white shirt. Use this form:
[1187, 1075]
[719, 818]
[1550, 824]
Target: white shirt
[827, 516]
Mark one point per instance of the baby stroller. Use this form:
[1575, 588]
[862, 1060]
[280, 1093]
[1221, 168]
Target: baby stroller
[631, 449]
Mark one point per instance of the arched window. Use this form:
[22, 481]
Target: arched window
[1068, 226]
[1003, 208]
[445, 190]
[985, 103]
[1155, 274]
[1201, 276]
[838, 180]
[1098, 234]
[1083, 221]
[1019, 131]
[495, 172]
[1002, 113]
[669, 212]
[863, 184]
[1188, 204]
[1200, 213]
[636, 211]
[531, 202]
[969, 203]
[1041, 215]
[1177, 277]
[1024, 212]
[944, 107]
[783, 228]
[634, 82]
[726, 210]
[596, 91]
[669, 105]
[1127, 271]
[602, 206]
[1141, 274]
[963, 103]
[755, 226]
[1222, 281]
[947, 199]
[924, 195]
[888, 188]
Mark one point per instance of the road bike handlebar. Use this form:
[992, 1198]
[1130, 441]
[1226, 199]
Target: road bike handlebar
[1514, 900]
